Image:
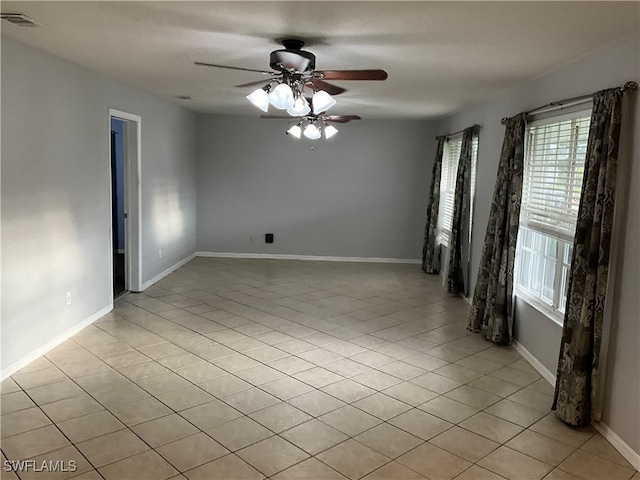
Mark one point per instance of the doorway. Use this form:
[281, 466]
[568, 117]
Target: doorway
[118, 214]
[124, 153]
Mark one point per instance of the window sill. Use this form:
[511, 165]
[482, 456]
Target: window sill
[553, 315]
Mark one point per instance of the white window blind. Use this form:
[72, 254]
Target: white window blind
[448, 187]
[448, 177]
[554, 166]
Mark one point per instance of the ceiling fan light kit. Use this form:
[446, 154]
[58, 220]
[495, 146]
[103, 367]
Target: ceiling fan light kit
[282, 97]
[322, 102]
[296, 131]
[300, 107]
[313, 126]
[294, 72]
[330, 131]
[260, 98]
[312, 132]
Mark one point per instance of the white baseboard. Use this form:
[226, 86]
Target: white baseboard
[169, 270]
[315, 258]
[42, 350]
[535, 363]
[620, 445]
[625, 450]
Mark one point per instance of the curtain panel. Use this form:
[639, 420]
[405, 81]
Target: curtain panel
[492, 306]
[458, 275]
[577, 381]
[430, 254]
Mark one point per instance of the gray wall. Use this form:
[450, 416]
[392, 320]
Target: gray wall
[538, 333]
[622, 390]
[607, 68]
[362, 193]
[55, 192]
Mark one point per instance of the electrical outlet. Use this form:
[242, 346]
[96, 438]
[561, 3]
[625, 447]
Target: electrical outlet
[68, 298]
[159, 253]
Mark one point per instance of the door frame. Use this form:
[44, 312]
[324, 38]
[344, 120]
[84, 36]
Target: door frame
[132, 201]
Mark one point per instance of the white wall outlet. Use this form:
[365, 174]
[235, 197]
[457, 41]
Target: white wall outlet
[159, 253]
[68, 298]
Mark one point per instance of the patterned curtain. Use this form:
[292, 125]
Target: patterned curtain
[492, 307]
[578, 373]
[458, 276]
[430, 260]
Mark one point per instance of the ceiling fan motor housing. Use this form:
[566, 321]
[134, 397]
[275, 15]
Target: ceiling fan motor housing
[286, 60]
[292, 57]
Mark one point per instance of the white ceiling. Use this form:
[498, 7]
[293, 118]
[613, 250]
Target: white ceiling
[440, 56]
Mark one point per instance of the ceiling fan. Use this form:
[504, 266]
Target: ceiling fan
[297, 87]
[300, 65]
[314, 124]
[325, 118]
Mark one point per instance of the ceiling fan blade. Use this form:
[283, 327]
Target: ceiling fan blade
[204, 64]
[377, 74]
[330, 118]
[327, 87]
[342, 118]
[251, 84]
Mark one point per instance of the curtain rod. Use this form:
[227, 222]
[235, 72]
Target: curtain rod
[448, 135]
[570, 102]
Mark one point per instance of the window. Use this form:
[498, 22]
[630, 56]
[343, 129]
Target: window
[448, 176]
[553, 170]
[447, 188]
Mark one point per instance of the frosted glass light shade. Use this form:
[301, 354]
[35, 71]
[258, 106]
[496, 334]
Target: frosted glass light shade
[322, 102]
[330, 131]
[282, 97]
[260, 99]
[312, 132]
[295, 131]
[300, 108]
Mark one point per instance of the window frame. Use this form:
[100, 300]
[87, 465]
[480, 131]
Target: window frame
[554, 310]
[564, 247]
[443, 233]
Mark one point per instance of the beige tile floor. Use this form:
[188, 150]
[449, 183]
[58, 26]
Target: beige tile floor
[243, 369]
